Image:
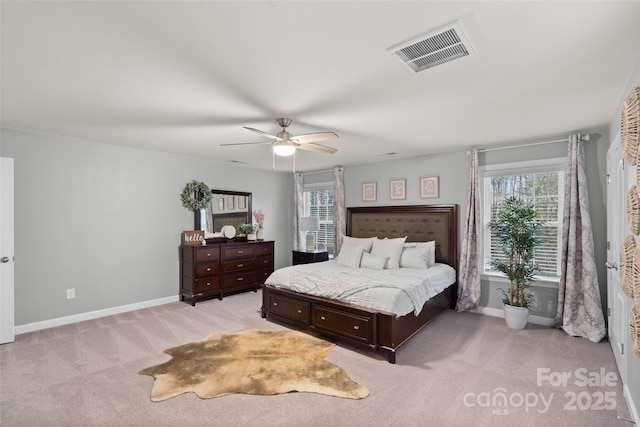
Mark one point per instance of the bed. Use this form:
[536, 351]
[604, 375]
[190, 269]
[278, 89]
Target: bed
[378, 328]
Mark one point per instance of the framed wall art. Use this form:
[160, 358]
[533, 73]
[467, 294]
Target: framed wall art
[220, 204]
[398, 189]
[369, 192]
[429, 187]
[230, 203]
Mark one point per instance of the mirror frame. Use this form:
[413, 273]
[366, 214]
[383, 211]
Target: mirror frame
[197, 215]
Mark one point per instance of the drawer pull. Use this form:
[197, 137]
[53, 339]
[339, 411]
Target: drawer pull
[239, 279]
[208, 283]
[323, 318]
[299, 311]
[275, 304]
[240, 265]
[208, 254]
[240, 252]
[209, 269]
[356, 327]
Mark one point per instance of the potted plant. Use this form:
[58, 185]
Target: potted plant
[516, 229]
[245, 229]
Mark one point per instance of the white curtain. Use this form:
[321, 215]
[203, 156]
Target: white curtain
[469, 276]
[579, 310]
[299, 242]
[339, 220]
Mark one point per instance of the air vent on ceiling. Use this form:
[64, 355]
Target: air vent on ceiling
[434, 48]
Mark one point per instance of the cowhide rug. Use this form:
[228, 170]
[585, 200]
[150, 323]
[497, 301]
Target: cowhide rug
[251, 362]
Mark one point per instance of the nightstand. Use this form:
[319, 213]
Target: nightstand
[307, 257]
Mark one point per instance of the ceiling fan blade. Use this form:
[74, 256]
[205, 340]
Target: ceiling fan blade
[308, 138]
[310, 146]
[247, 143]
[268, 135]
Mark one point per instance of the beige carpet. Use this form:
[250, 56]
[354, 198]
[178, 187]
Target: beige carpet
[86, 374]
[252, 362]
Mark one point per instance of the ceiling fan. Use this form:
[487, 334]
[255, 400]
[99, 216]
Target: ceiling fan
[285, 144]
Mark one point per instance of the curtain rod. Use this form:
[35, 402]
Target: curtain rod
[316, 172]
[580, 138]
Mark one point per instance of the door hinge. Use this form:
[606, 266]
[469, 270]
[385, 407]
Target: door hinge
[608, 245]
[608, 176]
[608, 311]
[622, 349]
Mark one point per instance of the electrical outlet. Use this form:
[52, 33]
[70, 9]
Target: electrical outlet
[71, 293]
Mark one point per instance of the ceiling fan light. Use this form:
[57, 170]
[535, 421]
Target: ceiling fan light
[283, 150]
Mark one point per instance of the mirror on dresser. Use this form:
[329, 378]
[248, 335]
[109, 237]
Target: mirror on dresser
[226, 208]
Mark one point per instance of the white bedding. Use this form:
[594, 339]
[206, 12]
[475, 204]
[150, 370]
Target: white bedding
[400, 291]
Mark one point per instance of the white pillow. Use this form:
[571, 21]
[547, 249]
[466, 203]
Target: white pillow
[415, 257]
[430, 246]
[391, 248]
[373, 262]
[350, 256]
[365, 242]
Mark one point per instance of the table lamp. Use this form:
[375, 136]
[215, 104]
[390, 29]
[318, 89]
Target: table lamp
[310, 224]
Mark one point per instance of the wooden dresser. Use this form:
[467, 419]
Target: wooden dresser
[222, 268]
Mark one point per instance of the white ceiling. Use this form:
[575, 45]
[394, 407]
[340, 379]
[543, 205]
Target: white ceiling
[183, 77]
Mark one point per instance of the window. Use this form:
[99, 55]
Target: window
[318, 202]
[538, 182]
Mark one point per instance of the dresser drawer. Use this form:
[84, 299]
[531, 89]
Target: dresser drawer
[238, 252]
[206, 284]
[230, 280]
[264, 249]
[264, 262]
[290, 308]
[350, 325]
[242, 264]
[261, 275]
[207, 269]
[207, 254]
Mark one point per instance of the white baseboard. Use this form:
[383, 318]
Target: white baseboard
[45, 324]
[633, 409]
[496, 312]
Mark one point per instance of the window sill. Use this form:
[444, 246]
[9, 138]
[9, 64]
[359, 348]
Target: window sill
[538, 282]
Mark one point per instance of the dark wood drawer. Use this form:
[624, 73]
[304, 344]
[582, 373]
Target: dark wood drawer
[341, 322]
[207, 269]
[207, 254]
[290, 308]
[244, 264]
[238, 252]
[301, 257]
[231, 280]
[261, 275]
[264, 249]
[206, 284]
[264, 262]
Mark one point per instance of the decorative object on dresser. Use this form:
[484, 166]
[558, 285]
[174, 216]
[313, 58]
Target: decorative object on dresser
[223, 268]
[308, 257]
[259, 216]
[192, 237]
[379, 329]
[251, 362]
[310, 224]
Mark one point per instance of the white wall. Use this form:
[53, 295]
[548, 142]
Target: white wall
[106, 220]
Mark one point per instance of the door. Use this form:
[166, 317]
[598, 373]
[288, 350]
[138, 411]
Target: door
[617, 230]
[6, 251]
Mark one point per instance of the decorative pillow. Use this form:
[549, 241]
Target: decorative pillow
[430, 246]
[350, 256]
[373, 262]
[415, 257]
[366, 242]
[391, 248]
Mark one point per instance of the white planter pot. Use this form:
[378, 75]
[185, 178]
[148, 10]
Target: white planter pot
[516, 317]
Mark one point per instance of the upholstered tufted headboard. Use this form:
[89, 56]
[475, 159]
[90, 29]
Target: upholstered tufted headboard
[420, 223]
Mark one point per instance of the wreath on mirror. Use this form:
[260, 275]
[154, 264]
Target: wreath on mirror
[196, 195]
